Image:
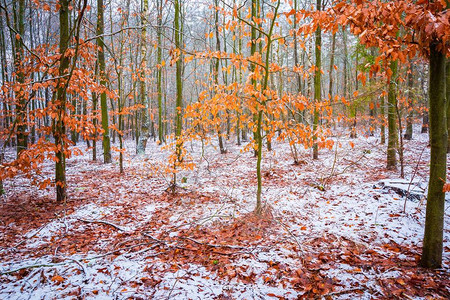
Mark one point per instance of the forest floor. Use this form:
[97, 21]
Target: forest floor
[329, 229]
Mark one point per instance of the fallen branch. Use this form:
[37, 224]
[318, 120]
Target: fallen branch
[214, 245]
[32, 267]
[338, 293]
[169, 245]
[70, 260]
[106, 223]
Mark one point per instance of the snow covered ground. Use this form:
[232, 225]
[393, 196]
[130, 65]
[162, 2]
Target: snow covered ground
[330, 228]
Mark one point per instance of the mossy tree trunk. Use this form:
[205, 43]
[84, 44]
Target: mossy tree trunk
[392, 116]
[159, 7]
[434, 221]
[102, 70]
[179, 86]
[409, 95]
[95, 118]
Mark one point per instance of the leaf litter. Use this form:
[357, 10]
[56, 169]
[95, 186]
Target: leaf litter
[328, 229]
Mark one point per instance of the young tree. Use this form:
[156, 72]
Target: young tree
[103, 82]
[409, 95]
[159, 8]
[317, 83]
[20, 92]
[179, 85]
[59, 127]
[392, 117]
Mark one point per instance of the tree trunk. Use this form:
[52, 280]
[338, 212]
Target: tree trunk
[425, 122]
[179, 86]
[145, 124]
[59, 128]
[434, 221]
[102, 69]
[382, 117]
[447, 76]
[345, 84]
[159, 5]
[317, 84]
[409, 126]
[216, 72]
[392, 122]
[21, 109]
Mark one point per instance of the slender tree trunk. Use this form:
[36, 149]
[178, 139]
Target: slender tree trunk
[409, 126]
[373, 105]
[159, 5]
[447, 76]
[95, 117]
[434, 221]
[216, 72]
[317, 84]
[330, 72]
[238, 111]
[74, 134]
[59, 128]
[179, 86]
[383, 121]
[354, 113]
[21, 109]
[145, 124]
[259, 118]
[102, 69]
[425, 120]
[345, 84]
[392, 122]
[296, 60]
[253, 39]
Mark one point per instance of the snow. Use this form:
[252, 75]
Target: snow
[343, 200]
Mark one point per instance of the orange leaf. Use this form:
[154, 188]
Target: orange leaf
[446, 187]
[58, 279]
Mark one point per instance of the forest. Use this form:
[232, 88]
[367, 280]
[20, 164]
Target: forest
[224, 149]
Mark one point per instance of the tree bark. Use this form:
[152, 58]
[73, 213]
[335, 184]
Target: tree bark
[409, 126]
[216, 73]
[447, 76]
[145, 124]
[434, 221]
[392, 122]
[21, 109]
[59, 128]
[159, 5]
[317, 84]
[102, 69]
[179, 86]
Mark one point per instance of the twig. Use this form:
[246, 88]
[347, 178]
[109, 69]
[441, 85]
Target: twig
[83, 268]
[141, 251]
[412, 178]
